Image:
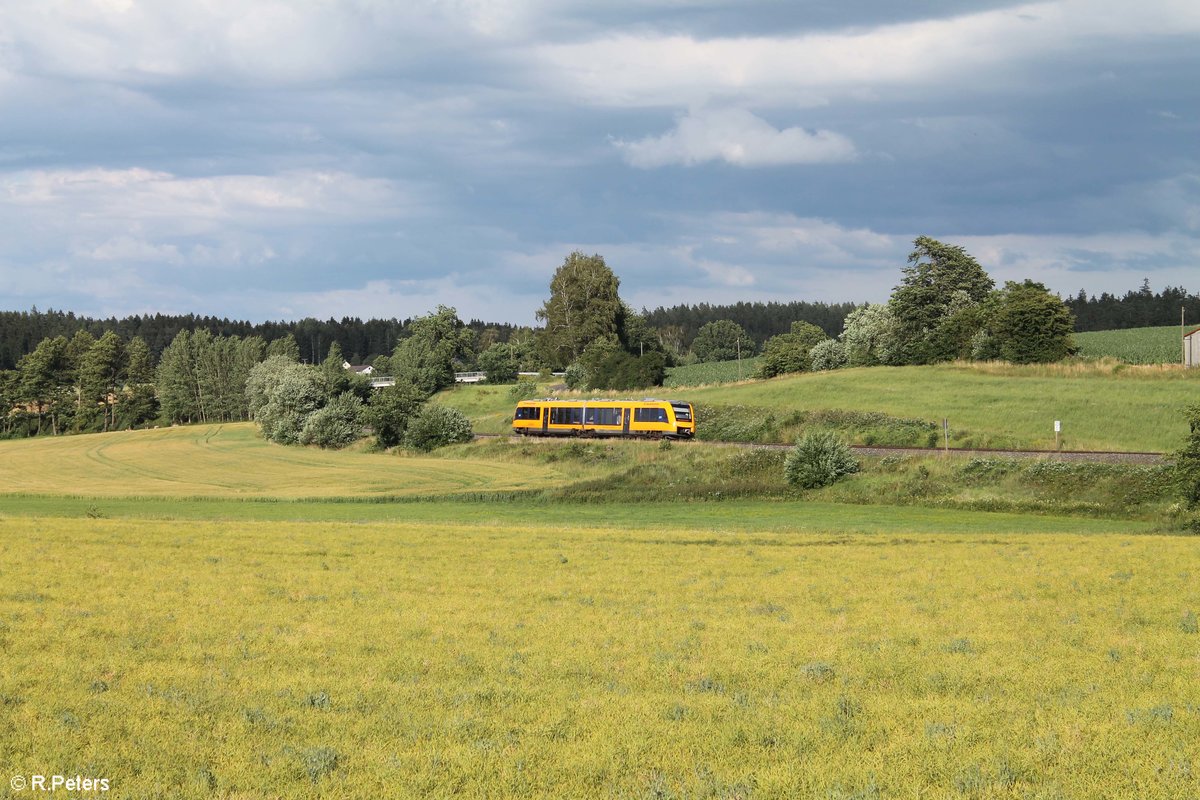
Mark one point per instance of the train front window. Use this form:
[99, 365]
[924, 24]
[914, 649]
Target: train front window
[528, 413]
[683, 413]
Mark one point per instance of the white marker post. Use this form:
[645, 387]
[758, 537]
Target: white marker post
[1057, 434]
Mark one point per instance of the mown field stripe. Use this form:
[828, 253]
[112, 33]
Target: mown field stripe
[724, 516]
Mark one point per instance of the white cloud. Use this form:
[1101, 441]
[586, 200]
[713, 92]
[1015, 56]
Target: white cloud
[738, 137]
[652, 69]
[718, 273]
[386, 298]
[165, 228]
[127, 248]
[1113, 262]
[180, 204]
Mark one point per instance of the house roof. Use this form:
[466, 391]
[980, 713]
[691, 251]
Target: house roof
[1191, 332]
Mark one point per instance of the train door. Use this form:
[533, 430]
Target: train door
[545, 419]
[625, 414]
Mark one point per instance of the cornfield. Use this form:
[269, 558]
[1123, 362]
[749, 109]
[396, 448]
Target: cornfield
[1133, 345]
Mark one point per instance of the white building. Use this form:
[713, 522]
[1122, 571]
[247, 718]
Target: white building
[1191, 348]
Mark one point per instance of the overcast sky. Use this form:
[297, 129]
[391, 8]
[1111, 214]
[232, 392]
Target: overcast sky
[272, 160]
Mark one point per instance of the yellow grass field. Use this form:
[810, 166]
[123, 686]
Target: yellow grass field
[162, 630]
[291, 660]
[233, 461]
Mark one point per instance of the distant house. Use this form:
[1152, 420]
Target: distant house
[360, 369]
[1191, 348]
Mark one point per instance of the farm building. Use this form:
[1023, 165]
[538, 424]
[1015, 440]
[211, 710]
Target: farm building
[1191, 348]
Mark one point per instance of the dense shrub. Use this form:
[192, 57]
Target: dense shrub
[819, 459]
[523, 390]
[296, 392]
[829, 354]
[390, 410]
[621, 370]
[262, 378]
[436, 426]
[576, 376]
[789, 352]
[870, 336]
[337, 424]
[1187, 468]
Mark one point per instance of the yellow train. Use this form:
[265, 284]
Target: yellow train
[653, 419]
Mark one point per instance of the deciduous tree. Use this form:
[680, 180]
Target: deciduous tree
[940, 280]
[389, 411]
[789, 352]
[499, 363]
[427, 358]
[870, 335]
[102, 371]
[1031, 325]
[584, 305]
[721, 340]
[46, 382]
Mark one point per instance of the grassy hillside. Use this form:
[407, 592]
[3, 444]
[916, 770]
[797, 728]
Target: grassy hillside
[510, 479]
[1133, 345]
[233, 461]
[1105, 406]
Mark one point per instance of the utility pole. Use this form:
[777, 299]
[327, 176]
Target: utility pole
[1182, 335]
[739, 349]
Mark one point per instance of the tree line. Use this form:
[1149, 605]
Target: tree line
[679, 325]
[1143, 308]
[946, 307]
[88, 384]
[676, 328]
[361, 341]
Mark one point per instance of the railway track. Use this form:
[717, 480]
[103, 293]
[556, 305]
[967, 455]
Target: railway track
[1099, 456]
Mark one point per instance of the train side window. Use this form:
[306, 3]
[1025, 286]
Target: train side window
[603, 416]
[566, 416]
[649, 415]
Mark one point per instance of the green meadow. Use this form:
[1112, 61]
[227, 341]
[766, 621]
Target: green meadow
[195, 613]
